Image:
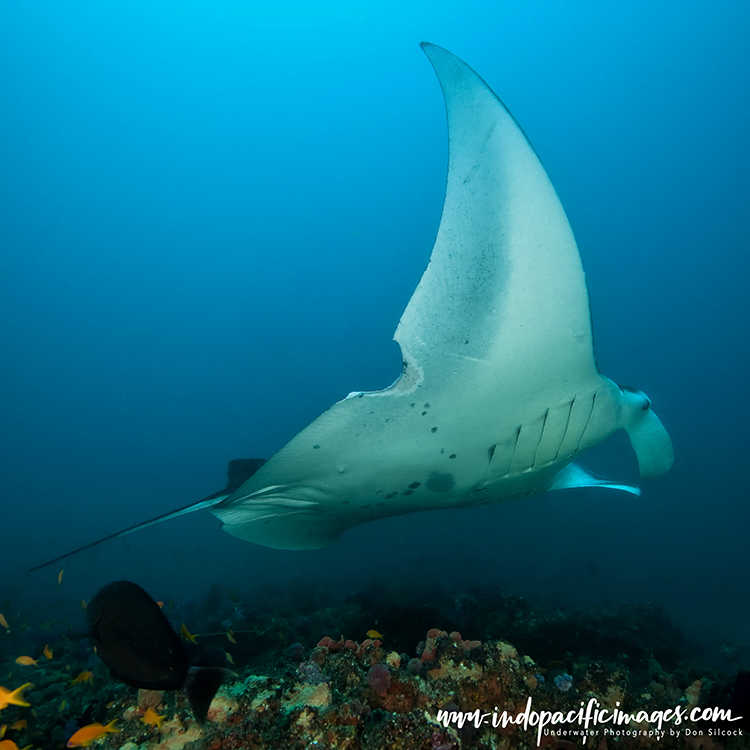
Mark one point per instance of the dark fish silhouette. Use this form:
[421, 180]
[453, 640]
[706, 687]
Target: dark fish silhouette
[135, 640]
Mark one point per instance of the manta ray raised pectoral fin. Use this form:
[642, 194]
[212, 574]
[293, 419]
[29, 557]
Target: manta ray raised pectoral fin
[499, 390]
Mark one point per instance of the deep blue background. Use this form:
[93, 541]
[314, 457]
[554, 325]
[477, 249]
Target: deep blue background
[213, 214]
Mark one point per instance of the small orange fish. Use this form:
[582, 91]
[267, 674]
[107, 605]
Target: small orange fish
[186, 634]
[47, 651]
[26, 661]
[374, 634]
[82, 677]
[86, 735]
[10, 745]
[14, 696]
[20, 724]
[60, 576]
[229, 658]
[4, 622]
[161, 605]
[231, 637]
[152, 718]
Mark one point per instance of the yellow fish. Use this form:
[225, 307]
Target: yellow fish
[82, 677]
[14, 696]
[4, 622]
[59, 576]
[186, 634]
[2, 730]
[230, 659]
[62, 706]
[26, 661]
[20, 724]
[47, 651]
[151, 717]
[231, 637]
[86, 735]
[374, 634]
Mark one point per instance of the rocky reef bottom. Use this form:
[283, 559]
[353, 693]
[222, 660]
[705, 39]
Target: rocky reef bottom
[310, 674]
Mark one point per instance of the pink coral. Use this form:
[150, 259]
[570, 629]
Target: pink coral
[330, 644]
[430, 644]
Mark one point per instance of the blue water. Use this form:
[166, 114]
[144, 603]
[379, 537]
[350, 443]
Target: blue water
[213, 214]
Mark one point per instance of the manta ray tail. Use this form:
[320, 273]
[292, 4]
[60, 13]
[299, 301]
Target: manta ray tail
[238, 471]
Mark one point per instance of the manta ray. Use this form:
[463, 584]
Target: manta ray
[499, 390]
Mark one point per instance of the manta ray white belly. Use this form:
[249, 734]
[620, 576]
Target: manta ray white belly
[499, 390]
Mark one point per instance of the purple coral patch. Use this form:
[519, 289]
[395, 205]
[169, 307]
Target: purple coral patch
[379, 678]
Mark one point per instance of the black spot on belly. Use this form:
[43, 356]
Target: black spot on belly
[426, 406]
[423, 413]
[414, 485]
[408, 492]
[316, 447]
[434, 429]
[440, 482]
[452, 455]
[390, 495]
[345, 502]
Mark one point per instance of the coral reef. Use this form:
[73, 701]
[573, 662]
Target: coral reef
[310, 688]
